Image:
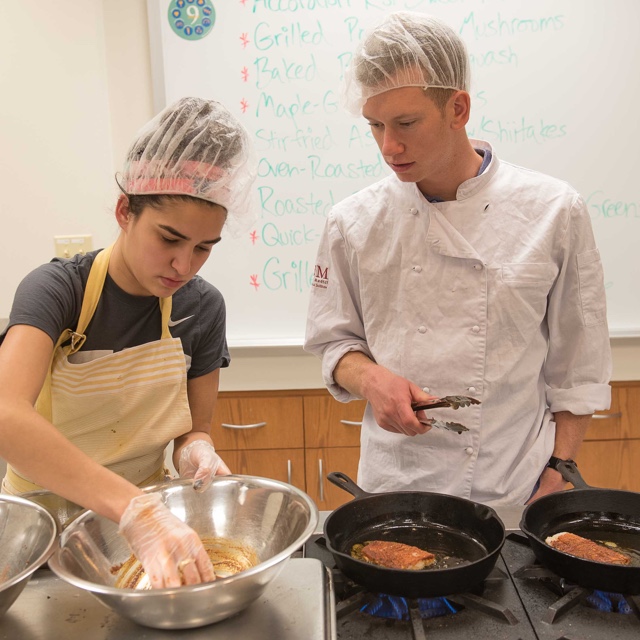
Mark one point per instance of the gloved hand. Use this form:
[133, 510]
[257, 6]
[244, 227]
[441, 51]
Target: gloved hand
[170, 551]
[199, 460]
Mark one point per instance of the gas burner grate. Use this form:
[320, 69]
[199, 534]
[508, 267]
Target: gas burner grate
[351, 597]
[490, 611]
[572, 595]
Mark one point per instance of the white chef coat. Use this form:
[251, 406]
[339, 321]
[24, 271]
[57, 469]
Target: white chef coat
[498, 295]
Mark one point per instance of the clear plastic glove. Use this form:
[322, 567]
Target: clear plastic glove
[199, 460]
[170, 551]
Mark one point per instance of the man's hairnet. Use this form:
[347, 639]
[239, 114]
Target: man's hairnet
[406, 49]
[195, 147]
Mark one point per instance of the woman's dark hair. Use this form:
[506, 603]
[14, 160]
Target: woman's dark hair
[137, 203]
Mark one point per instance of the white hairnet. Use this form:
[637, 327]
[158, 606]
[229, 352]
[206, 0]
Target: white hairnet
[195, 147]
[406, 49]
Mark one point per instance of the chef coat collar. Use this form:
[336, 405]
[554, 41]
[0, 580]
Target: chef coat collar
[469, 187]
[486, 156]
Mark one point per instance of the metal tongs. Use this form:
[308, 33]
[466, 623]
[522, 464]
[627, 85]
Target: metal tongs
[452, 402]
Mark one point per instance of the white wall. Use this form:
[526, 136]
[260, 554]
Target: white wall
[55, 133]
[75, 83]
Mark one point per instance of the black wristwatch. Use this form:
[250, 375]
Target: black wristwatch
[554, 462]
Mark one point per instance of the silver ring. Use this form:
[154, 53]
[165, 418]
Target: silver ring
[183, 563]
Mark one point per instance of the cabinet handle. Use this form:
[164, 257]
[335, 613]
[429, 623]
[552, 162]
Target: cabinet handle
[351, 423]
[257, 425]
[598, 416]
[320, 482]
[289, 471]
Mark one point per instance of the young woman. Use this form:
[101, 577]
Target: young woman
[109, 356]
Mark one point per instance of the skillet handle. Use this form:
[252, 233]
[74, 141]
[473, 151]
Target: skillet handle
[345, 483]
[569, 471]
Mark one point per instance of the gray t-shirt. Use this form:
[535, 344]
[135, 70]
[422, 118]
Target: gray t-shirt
[50, 298]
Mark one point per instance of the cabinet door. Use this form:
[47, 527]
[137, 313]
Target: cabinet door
[329, 423]
[612, 464]
[258, 423]
[319, 462]
[286, 465]
[622, 420]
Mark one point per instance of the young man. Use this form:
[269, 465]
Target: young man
[460, 274]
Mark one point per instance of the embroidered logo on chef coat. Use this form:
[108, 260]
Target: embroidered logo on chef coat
[320, 277]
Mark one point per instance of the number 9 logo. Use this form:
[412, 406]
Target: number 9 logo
[191, 19]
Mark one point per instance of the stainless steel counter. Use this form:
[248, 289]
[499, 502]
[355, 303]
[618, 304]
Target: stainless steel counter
[297, 604]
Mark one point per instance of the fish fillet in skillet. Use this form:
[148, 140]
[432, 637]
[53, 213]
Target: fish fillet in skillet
[393, 555]
[584, 548]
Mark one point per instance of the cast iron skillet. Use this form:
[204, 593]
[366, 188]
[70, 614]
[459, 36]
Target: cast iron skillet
[469, 535]
[599, 514]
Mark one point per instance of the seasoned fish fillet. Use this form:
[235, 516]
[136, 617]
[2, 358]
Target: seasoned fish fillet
[584, 548]
[394, 555]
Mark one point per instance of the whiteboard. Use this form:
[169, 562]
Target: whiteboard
[554, 88]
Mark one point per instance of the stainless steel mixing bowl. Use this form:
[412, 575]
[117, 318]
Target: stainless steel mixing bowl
[61, 509]
[272, 517]
[28, 534]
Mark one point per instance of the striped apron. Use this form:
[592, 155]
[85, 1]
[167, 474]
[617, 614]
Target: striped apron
[121, 409]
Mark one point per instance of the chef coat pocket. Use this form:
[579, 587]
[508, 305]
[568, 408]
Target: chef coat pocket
[530, 274]
[591, 280]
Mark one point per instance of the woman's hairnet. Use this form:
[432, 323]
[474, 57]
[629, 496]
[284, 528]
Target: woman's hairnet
[195, 147]
[406, 49]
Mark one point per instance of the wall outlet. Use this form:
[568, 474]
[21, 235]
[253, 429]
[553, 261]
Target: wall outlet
[69, 246]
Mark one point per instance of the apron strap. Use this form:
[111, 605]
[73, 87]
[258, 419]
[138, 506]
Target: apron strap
[165, 309]
[91, 297]
[92, 293]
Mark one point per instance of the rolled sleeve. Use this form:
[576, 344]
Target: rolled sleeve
[334, 319]
[330, 359]
[580, 401]
[578, 364]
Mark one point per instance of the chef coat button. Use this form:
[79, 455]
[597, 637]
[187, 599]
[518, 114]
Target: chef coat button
[469, 450]
[477, 267]
[413, 211]
[417, 268]
[426, 389]
[472, 389]
[422, 329]
[475, 328]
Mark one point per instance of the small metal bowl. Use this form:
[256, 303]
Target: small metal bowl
[271, 517]
[28, 534]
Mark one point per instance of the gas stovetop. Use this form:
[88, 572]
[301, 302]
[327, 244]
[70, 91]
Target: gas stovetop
[520, 600]
[312, 600]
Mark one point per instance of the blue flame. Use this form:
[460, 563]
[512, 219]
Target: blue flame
[397, 608]
[606, 601]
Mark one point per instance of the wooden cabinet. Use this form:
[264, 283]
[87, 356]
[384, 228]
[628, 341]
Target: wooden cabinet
[610, 455]
[320, 462]
[332, 443]
[286, 465]
[257, 421]
[295, 436]
[299, 436]
[328, 423]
